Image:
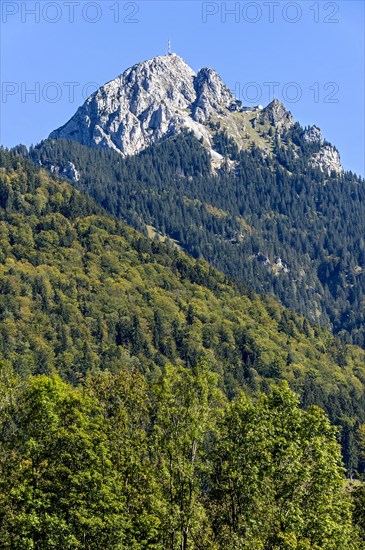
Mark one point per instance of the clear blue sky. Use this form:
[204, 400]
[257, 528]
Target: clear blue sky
[317, 45]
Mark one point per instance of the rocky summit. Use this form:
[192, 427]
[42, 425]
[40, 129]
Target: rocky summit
[158, 98]
[148, 102]
[276, 115]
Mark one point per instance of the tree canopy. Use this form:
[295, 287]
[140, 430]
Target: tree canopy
[267, 218]
[142, 402]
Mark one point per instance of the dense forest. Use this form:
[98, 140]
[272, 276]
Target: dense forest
[81, 292]
[268, 220]
[122, 464]
[146, 401]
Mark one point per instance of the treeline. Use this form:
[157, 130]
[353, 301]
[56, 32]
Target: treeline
[120, 463]
[245, 218]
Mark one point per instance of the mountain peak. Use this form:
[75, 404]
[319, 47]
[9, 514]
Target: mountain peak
[212, 95]
[277, 114]
[150, 101]
[169, 63]
[158, 98]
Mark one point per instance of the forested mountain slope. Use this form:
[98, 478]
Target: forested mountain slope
[149, 401]
[81, 292]
[270, 220]
[139, 447]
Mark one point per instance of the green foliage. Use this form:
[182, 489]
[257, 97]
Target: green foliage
[359, 511]
[185, 404]
[116, 352]
[58, 488]
[125, 403]
[276, 479]
[245, 217]
[81, 292]
[125, 464]
[225, 146]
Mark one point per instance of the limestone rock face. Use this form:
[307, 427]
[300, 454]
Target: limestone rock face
[277, 115]
[327, 160]
[313, 135]
[158, 98]
[148, 102]
[69, 171]
[212, 95]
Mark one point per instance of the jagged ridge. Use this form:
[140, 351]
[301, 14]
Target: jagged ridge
[148, 102]
[156, 99]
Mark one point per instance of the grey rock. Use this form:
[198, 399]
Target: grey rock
[281, 266]
[157, 99]
[70, 172]
[313, 135]
[148, 102]
[276, 114]
[212, 96]
[327, 160]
